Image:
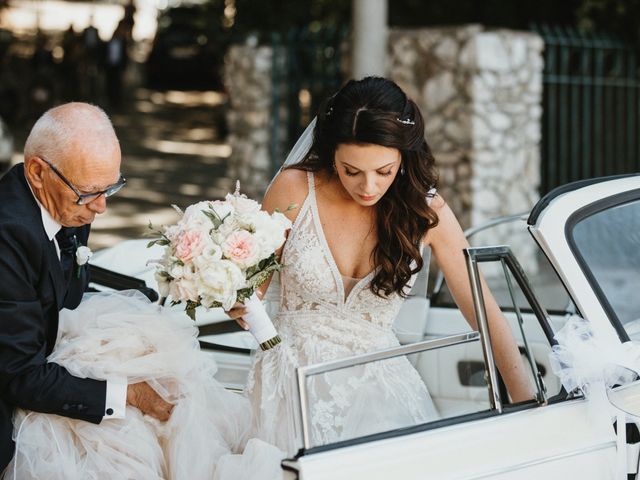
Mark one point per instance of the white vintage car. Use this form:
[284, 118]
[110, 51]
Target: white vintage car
[577, 253]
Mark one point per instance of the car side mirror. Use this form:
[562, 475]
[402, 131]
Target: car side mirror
[626, 397]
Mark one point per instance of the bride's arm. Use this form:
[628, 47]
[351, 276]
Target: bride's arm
[447, 242]
[288, 188]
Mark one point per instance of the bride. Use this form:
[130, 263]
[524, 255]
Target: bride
[367, 209]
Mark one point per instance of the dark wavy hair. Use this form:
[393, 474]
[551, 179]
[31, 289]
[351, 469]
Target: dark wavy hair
[375, 110]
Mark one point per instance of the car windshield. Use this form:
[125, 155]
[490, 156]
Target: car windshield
[608, 243]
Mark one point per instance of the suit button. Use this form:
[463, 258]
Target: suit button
[109, 411]
[81, 407]
[65, 406]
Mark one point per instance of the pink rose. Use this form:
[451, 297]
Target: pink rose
[241, 247]
[189, 245]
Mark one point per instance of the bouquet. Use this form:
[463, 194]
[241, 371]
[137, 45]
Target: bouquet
[218, 254]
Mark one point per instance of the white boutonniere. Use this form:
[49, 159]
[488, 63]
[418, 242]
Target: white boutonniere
[83, 254]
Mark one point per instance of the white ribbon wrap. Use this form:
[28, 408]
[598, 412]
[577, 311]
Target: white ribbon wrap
[260, 325]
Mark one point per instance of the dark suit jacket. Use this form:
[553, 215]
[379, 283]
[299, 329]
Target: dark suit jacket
[32, 292]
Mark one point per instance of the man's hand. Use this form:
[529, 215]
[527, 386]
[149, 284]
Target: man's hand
[145, 399]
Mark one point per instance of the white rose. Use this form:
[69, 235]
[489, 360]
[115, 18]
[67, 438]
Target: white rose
[242, 205]
[281, 220]
[195, 211]
[176, 270]
[270, 231]
[229, 226]
[184, 289]
[211, 253]
[222, 209]
[83, 254]
[220, 282]
[194, 218]
[184, 285]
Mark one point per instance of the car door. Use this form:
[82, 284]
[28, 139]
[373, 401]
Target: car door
[463, 383]
[550, 437]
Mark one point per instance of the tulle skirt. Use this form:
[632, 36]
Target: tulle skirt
[115, 335]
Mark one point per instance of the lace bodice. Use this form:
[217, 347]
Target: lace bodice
[312, 284]
[319, 322]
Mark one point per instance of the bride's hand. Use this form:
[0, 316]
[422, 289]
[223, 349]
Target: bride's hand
[236, 313]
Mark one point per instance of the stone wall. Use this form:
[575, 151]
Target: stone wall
[480, 93]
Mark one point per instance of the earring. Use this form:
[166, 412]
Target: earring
[401, 169]
[335, 170]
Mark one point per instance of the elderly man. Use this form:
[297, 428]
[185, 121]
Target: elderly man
[71, 164]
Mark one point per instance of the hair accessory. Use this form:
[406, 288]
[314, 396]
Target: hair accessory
[329, 112]
[406, 121]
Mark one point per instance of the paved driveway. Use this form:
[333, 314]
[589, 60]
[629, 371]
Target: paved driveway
[173, 152]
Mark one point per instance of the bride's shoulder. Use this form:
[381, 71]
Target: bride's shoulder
[448, 227]
[289, 187]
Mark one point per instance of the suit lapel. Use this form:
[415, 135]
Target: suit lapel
[56, 276]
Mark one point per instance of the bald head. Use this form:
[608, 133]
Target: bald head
[78, 139]
[70, 131]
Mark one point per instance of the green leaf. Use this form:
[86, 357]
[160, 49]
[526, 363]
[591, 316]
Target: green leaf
[191, 309]
[213, 216]
[158, 241]
[244, 294]
[265, 270]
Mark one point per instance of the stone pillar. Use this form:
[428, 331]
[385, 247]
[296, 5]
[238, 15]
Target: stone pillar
[370, 34]
[249, 82]
[480, 93]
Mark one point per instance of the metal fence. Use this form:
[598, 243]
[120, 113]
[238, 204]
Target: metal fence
[307, 67]
[591, 106]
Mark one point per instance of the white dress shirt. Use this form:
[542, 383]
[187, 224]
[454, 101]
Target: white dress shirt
[115, 404]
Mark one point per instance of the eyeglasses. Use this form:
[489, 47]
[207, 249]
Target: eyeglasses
[84, 198]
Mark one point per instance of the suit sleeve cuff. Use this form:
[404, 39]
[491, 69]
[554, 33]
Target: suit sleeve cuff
[116, 401]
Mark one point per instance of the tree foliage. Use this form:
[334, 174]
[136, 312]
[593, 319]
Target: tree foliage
[621, 17]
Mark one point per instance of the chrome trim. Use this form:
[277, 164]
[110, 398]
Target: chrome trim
[304, 407]
[510, 263]
[540, 461]
[303, 372]
[389, 353]
[537, 376]
[483, 327]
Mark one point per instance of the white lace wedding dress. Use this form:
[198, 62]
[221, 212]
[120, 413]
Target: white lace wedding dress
[124, 335]
[319, 320]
